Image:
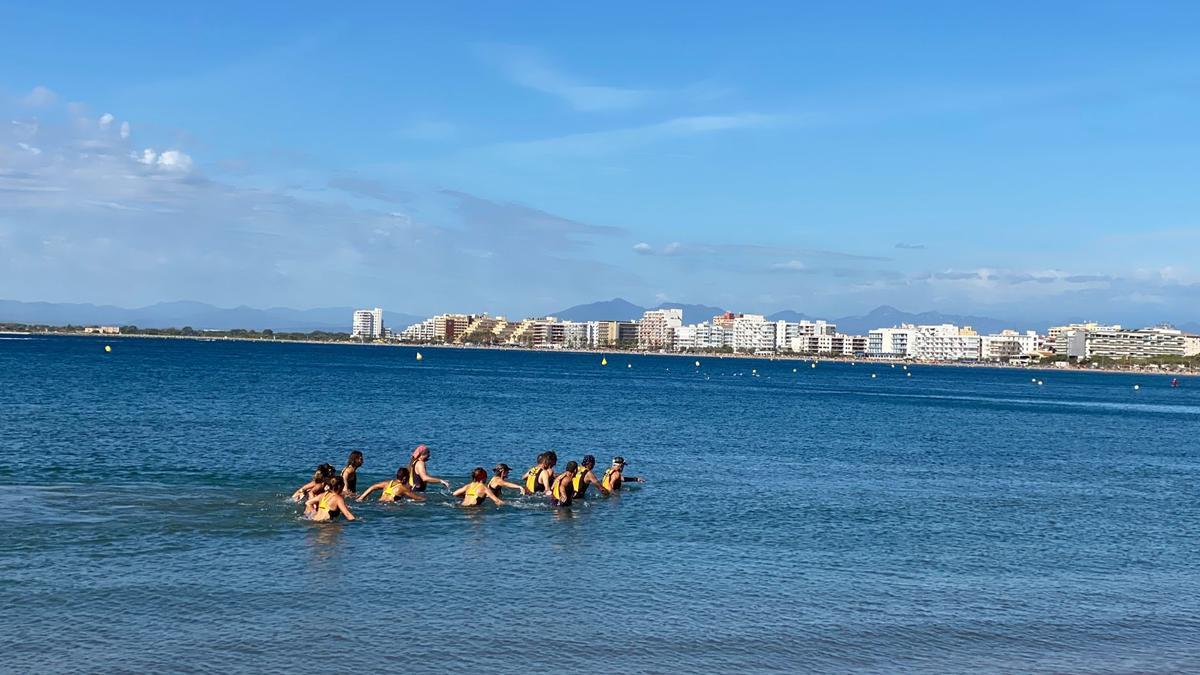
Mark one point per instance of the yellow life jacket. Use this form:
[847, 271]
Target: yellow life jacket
[323, 503]
[558, 491]
[392, 489]
[531, 478]
[476, 490]
[610, 478]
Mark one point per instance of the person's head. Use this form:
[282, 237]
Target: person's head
[355, 459]
[335, 484]
[618, 462]
[420, 453]
[479, 474]
[571, 468]
[550, 459]
[402, 473]
[541, 459]
[589, 462]
[323, 471]
[501, 470]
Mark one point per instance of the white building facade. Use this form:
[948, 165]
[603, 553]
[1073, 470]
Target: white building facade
[367, 323]
[657, 328]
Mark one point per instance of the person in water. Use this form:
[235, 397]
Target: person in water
[540, 477]
[615, 476]
[418, 476]
[584, 476]
[561, 491]
[473, 493]
[328, 504]
[350, 473]
[499, 482]
[393, 489]
[323, 473]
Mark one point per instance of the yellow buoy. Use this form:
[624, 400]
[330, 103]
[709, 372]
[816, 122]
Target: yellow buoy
[419, 357]
[603, 361]
[107, 348]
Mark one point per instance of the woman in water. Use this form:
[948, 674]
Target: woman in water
[615, 476]
[328, 504]
[473, 493]
[585, 477]
[540, 477]
[498, 482]
[350, 473]
[323, 473]
[561, 491]
[393, 489]
[418, 476]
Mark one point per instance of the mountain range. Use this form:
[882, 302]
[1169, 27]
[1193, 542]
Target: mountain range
[198, 315]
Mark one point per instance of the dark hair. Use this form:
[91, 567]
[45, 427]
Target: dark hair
[402, 473]
[589, 461]
[335, 484]
[479, 474]
[551, 457]
[355, 458]
[323, 471]
[541, 458]
[501, 468]
[571, 467]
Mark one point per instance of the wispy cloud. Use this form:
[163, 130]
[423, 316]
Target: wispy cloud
[529, 68]
[677, 248]
[613, 141]
[39, 97]
[910, 247]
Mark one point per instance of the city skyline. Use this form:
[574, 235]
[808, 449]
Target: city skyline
[801, 158]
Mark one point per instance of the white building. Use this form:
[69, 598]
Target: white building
[753, 333]
[367, 323]
[1142, 343]
[701, 337]
[787, 331]
[419, 332]
[893, 343]
[575, 334]
[657, 328]
[1191, 345]
[835, 344]
[946, 342]
[1008, 344]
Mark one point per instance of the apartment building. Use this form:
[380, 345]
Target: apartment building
[657, 327]
[367, 323]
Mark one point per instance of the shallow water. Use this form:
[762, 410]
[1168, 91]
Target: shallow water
[960, 519]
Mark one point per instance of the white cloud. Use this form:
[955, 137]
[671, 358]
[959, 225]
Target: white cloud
[124, 131]
[172, 160]
[790, 265]
[39, 97]
[105, 120]
[643, 248]
[529, 68]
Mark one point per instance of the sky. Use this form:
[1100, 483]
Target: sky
[1034, 161]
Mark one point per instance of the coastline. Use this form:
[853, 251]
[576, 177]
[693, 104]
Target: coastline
[601, 352]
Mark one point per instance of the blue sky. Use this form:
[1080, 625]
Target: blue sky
[1018, 160]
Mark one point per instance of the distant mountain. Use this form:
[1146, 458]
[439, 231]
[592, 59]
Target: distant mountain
[617, 309]
[790, 315]
[693, 313]
[620, 309]
[198, 315]
[886, 316]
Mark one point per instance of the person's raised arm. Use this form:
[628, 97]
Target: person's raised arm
[459, 492]
[299, 494]
[590, 477]
[341, 506]
[420, 468]
[377, 486]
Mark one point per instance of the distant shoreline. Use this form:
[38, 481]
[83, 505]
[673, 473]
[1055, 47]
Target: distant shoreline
[619, 353]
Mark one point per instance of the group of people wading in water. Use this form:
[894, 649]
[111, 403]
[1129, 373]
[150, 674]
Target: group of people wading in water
[325, 496]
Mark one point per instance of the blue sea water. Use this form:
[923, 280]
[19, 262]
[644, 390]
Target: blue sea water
[959, 520]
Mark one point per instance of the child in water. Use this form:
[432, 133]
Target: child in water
[393, 489]
[350, 473]
[499, 482]
[418, 477]
[323, 473]
[585, 477]
[328, 504]
[473, 493]
[615, 475]
[561, 492]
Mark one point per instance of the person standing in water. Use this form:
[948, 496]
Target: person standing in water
[327, 505]
[584, 477]
[499, 480]
[473, 493]
[393, 489]
[418, 476]
[323, 473]
[350, 473]
[540, 477]
[561, 491]
[615, 476]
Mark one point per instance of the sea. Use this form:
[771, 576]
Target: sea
[796, 516]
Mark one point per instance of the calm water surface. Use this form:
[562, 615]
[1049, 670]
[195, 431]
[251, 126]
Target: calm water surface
[819, 520]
